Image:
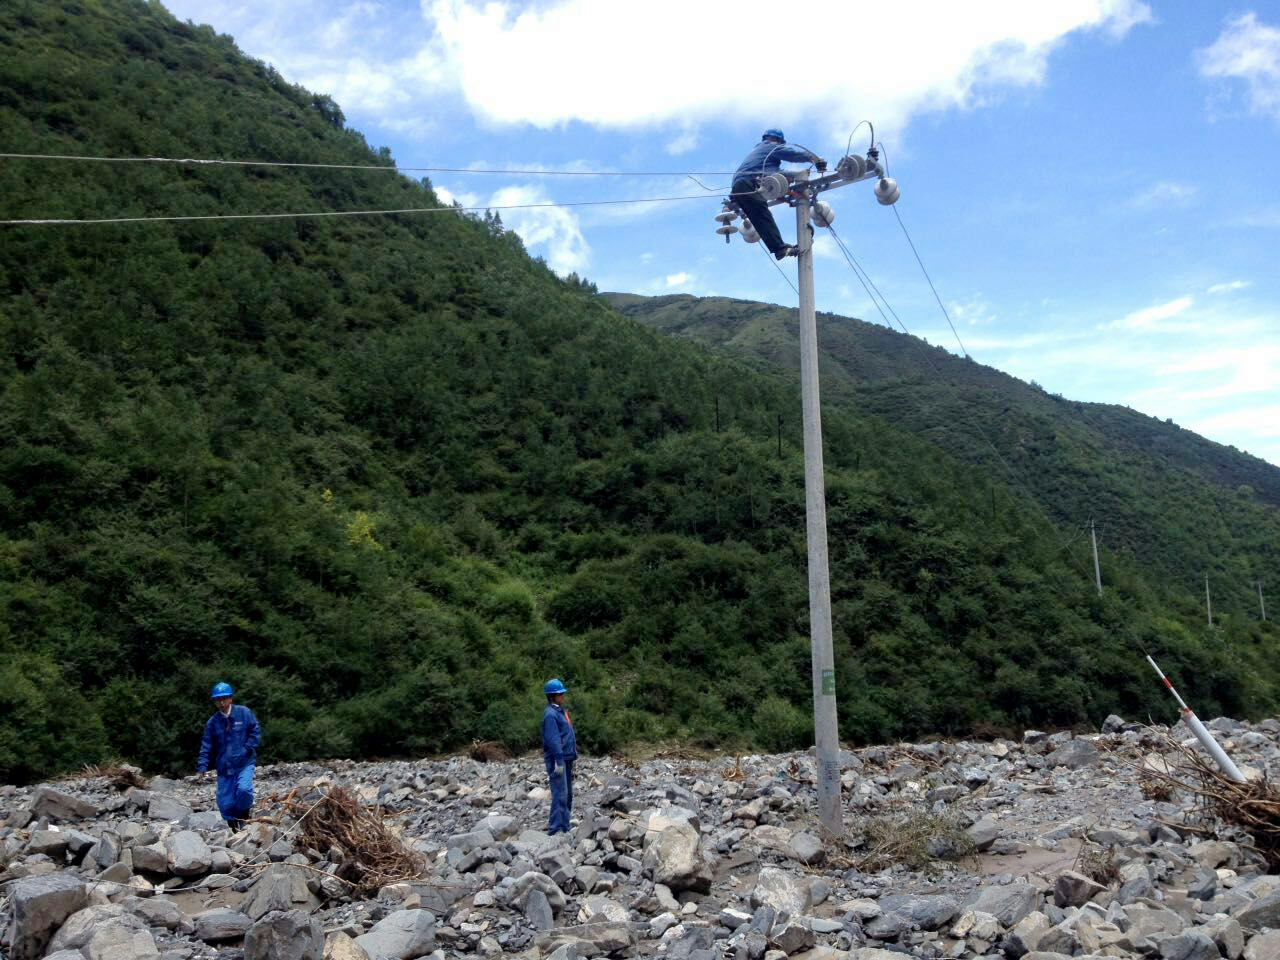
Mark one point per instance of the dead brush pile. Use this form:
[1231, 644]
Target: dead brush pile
[914, 838]
[1224, 805]
[373, 853]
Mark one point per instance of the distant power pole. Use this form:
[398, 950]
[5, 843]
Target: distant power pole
[1208, 602]
[1261, 602]
[1097, 570]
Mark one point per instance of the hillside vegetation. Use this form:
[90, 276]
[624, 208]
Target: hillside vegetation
[387, 474]
[1166, 500]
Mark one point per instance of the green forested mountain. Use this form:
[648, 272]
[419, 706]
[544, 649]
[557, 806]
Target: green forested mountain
[1173, 504]
[387, 474]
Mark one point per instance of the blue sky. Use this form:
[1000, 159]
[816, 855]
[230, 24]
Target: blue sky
[1092, 184]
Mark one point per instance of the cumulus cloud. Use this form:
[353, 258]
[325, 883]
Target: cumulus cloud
[563, 61]
[553, 232]
[680, 279]
[580, 60]
[1248, 50]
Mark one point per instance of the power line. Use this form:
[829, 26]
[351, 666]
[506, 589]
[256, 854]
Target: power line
[57, 221]
[378, 168]
[859, 272]
[963, 349]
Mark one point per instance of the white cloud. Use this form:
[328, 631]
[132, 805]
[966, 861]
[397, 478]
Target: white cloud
[462, 197]
[1150, 318]
[1250, 51]
[682, 143]
[1229, 286]
[550, 64]
[552, 231]
[1164, 194]
[681, 279]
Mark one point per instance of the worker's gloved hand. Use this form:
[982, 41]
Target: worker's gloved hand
[820, 164]
[558, 770]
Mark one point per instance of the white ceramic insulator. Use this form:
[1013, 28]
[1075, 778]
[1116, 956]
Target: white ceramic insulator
[823, 215]
[887, 191]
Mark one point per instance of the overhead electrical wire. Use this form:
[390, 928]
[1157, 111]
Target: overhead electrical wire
[376, 168]
[68, 221]
[859, 272]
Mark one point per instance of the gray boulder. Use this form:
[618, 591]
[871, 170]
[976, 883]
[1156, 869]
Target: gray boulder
[400, 936]
[927, 912]
[105, 932]
[1190, 945]
[166, 807]
[806, 848]
[56, 805]
[1265, 946]
[1073, 755]
[1073, 889]
[782, 891]
[39, 907]
[189, 855]
[279, 888]
[671, 854]
[291, 935]
[1008, 903]
[153, 858]
[1260, 913]
[52, 843]
[220, 923]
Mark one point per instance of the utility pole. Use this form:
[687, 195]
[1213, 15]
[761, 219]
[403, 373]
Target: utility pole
[801, 193]
[1208, 602]
[1262, 603]
[1097, 570]
[825, 722]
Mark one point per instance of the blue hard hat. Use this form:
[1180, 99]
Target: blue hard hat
[554, 686]
[773, 132]
[220, 690]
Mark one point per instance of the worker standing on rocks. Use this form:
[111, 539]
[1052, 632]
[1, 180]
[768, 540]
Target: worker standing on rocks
[559, 751]
[230, 746]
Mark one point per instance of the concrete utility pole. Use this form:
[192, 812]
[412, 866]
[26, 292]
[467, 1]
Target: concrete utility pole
[1208, 603]
[1262, 603]
[1097, 570]
[825, 721]
[802, 193]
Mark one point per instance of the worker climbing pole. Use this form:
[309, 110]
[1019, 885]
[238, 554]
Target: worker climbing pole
[753, 193]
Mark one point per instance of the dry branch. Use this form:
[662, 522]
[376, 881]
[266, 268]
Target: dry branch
[1252, 807]
[373, 854]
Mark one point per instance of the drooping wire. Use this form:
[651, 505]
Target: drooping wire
[869, 285]
[849, 143]
[906, 234]
[376, 168]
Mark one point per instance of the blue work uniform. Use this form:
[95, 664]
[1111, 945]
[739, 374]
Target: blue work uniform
[230, 746]
[559, 750]
[765, 157]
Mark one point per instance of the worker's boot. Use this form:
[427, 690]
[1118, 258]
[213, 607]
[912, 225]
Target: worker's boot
[788, 251]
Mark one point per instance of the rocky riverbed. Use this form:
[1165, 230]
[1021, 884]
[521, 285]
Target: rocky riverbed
[1042, 849]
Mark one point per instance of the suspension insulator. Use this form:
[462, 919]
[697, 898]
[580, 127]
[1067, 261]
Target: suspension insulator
[726, 216]
[823, 215]
[749, 233]
[887, 191]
